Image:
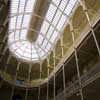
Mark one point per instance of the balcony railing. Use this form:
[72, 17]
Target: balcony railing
[86, 79]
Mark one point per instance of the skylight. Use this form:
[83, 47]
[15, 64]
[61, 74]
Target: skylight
[54, 21]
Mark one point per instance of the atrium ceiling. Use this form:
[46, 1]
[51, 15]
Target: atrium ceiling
[45, 45]
[30, 43]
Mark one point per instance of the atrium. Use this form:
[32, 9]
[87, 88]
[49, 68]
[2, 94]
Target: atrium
[50, 49]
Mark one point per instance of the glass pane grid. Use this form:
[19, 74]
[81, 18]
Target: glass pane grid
[14, 6]
[70, 6]
[48, 32]
[51, 11]
[55, 21]
[19, 22]
[56, 2]
[44, 27]
[57, 17]
[51, 29]
[63, 4]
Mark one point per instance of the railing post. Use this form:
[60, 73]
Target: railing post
[48, 65]
[63, 67]
[76, 60]
[54, 74]
[13, 87]
[39, 88]
[30, 68]
[82, 3]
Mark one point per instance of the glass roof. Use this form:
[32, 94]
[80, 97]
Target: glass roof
[51, 28]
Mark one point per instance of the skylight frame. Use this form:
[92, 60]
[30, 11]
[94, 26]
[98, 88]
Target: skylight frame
[61, 15]
[36, 45]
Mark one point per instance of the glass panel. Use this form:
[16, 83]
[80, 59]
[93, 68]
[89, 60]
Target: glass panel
[63, 4]
[61, 22]
[44, 28]
[26, 20]
[57, 17]
[19, 20]
[19, 51]
[21, 7]
[54, 36]
[51, 12]
[18, 44]
[70, 7]
[30, 5]
[33, 49]
[14, 6]
[56, 2]
[40, 51]
[44, 43]
[34, 56]
[12, 23]
[23, 35]
[13, 47]
[41, 54]
[48, 46]
[11, 39]
[40, 39]
[16, 34]
[51, 29]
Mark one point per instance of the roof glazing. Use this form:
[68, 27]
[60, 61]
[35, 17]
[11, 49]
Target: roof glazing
[51, 28]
